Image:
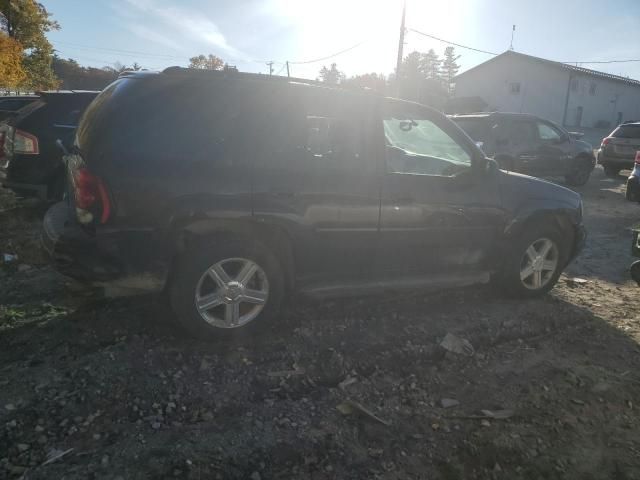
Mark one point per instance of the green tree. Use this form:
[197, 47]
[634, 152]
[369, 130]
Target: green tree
[27, 22]
[74, 76]
[430, 65]
[331, 75]
[210, 62]
[449, 68]
[374, 81]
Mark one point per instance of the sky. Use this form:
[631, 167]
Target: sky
[248, 33]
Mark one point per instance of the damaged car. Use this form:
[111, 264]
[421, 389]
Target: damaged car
[231, 192]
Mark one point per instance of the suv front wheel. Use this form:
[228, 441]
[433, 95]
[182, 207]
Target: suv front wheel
[535, 263]
[224, 288]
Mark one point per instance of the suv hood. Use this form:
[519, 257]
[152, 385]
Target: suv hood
[518, 189]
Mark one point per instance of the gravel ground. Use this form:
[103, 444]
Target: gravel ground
[354, 389]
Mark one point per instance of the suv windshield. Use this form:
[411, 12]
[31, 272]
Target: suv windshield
[627, 131]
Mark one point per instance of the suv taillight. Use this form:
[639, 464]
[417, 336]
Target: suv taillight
[91, 197]
[25, 143]
[605, 141]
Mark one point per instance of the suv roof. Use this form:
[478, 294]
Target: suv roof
[493, 115]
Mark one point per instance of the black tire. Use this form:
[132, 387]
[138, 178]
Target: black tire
[510, 280]
[611, 171]
[581, 175]
[635, 271]
[631, 191]
[191, 266]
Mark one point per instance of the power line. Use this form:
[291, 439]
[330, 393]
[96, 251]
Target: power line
[452, 43]
[329, 56]
[132, 52]
[609, 61]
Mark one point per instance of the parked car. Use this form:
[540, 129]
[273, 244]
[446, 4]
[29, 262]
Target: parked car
[12, 103]
[531, 145]
[633, 182]
[229, 192]
[618, 149]
[30, 160]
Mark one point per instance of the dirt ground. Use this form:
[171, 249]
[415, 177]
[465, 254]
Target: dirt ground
[114, 391]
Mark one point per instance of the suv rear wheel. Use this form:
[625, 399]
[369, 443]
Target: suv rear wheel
[224, 288]
[535, 263]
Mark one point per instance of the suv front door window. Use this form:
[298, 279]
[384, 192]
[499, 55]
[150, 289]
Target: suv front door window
[420, 147]
[553, 154]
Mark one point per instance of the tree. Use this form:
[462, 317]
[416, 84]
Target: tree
[449, 68]
[374, 81]
[210, 62]
[12, 72]
[74, 76]
[331, 75]
[27, 21]
[430, 65]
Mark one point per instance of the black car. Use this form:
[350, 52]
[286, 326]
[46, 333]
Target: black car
[618, 149]
[12, 103]
[30, 160]
[528, 144]
[231, 191]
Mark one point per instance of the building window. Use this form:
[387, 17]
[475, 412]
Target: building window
[574, 85]
[592, 88]
[514, 88]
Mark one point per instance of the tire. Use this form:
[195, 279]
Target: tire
[631, 191]
[635, 271]
[519, 258]
[201, 274]
[581, 175]
[611, 171]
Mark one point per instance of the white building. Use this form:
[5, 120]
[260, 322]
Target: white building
[571, 96]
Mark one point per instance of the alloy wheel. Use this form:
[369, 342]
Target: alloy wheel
[539, 264]
[231, 293]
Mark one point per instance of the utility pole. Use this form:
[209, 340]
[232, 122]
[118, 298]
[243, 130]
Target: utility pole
[270, 67]
[513, 31]
[288, 75]
[400, 47]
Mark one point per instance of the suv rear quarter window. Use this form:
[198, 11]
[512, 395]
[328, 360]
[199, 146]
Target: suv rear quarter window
[627, 131]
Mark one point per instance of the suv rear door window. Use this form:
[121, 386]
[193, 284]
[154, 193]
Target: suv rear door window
[477, 128]
[627, 131]
[315, 131]
[522, 133]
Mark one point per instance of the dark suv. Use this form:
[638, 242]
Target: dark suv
[30, 160]
[529, 144]
[231, 191]
[618, 149]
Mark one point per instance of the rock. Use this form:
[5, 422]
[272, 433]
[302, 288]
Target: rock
[104, 461]
[23, 447]
[449, 402]
[10, 407]
[485, 423]
[256, 476]
[42, 439]
[156, 425]
[39, 428]
[458, 345]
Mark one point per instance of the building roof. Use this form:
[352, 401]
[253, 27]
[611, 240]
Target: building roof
[564, 66]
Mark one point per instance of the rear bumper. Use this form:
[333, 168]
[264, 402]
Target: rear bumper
[622, 162]
[97, 259]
